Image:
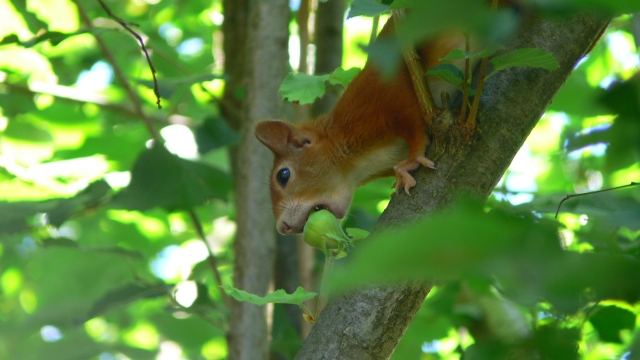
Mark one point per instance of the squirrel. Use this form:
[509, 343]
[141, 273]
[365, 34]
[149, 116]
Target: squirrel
[376, 129]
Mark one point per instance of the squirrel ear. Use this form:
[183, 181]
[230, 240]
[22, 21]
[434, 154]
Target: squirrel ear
[282, 137]
[274, 135]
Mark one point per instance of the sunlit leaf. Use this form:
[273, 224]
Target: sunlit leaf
[303, 88]
[17, 216]
[610, 7]
[26, 130]
[526, 57]
[279, 296]
[343, 77]
[161, 179]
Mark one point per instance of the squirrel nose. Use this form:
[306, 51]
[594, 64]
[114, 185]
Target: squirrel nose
[285, 228]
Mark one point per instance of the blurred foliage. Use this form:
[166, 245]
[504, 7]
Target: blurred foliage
[98, 258]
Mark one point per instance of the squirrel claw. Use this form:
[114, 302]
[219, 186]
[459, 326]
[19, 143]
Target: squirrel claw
[406, 181]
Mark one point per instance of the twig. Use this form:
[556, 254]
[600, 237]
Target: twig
[126, 26]
[475, 106]
[211, 259]
[570, 196]
[122, 79]
[415, 71]
[197, 224]
[471, 121]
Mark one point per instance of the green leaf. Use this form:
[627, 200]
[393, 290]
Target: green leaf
[343, 77]
[168, 86]
[498, 245]
[608, 7]
[555, 342]
[436, 248]
[298, 297]
[53, 37]
[609, 321]
[366, 8]
[429, 17]
[24, 129]
[16, 216]
[303, 88]
[125, 295]
[525, 57]
[94, 274]
[447, 72]
[161, 179]
[10, 39]
[215, 133]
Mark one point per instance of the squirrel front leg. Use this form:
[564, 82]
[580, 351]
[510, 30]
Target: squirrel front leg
[417, 142]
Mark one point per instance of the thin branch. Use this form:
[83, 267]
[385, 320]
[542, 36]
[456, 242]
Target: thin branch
[197, 224]
[213, 262]
[415, 70]
[484, 64]
[119, 74]
[571, 196]
[473, 113]
[126, 26]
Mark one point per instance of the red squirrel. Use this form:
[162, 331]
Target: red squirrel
[376, 129]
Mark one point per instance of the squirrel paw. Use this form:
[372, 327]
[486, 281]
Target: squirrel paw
[404, 180]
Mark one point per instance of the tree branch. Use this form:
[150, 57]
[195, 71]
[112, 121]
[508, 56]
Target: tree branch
[571, 196]
[153, 132]
[368, 324]
[137, 36]
[119, 74]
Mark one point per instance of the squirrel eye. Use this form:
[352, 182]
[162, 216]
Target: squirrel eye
[283, 176]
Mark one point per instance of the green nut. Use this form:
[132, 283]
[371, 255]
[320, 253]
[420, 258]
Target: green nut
[323, 231]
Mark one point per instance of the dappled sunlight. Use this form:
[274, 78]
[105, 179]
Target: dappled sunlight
[110, 206]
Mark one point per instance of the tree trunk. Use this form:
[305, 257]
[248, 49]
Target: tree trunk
[328, 39]
[264, 35]
[368, 324]
[286, 331]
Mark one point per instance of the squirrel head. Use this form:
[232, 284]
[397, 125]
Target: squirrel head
[305, 175]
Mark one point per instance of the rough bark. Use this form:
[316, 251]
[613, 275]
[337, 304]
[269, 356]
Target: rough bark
[265, 65]
[367, 324]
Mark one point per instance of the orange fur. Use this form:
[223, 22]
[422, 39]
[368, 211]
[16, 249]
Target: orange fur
[376, 129]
